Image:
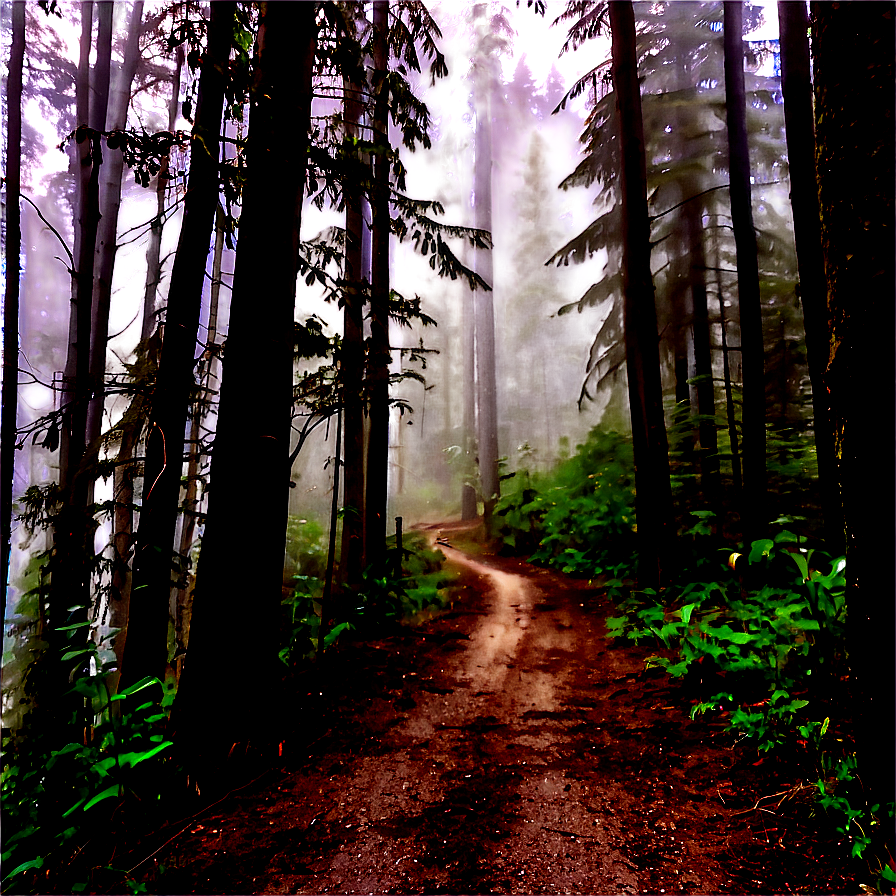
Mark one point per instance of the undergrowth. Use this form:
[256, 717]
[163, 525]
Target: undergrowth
[405, 587]
[761, 636]
[69, 787]
[579, 517]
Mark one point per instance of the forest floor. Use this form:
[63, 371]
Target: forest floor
[506, 746]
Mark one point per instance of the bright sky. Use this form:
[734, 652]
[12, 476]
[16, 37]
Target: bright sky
[541, 43]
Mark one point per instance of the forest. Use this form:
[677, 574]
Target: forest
[553, 453]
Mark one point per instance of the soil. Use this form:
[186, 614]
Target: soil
[506, 746]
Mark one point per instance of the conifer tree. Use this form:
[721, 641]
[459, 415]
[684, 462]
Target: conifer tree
[653, 491]
[267, 265]
[146, 646]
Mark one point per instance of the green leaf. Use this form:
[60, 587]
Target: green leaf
[726, 633]
[69, 811]
[759, 549]
[109, 791]
[139, 686]
[68, 628]
[802, 564]
[25, 866]
[129, 760]
[686, 612]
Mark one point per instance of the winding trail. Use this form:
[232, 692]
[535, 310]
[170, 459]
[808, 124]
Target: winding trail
[503, 747]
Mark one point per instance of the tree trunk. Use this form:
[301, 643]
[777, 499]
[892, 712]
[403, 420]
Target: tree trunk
[796, 83]
[13, 270]
[154, 249]
[468, 445]
[73, 532]
[653, 492]
[147, 654]
[132, 426]
[352, 361]
[200, 410]
[379, 356]
[91, 100]
[706, 405]
[751, 339]
[253, 423]
[107, 232]
[484, 308]
[852, 50]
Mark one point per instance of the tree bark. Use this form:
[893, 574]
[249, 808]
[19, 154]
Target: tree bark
[379, 356]
[796, 83]
[352, 361]
[73, 531]
[468, 356]
[13, 271]
[751, 338]
[483, 302]
[852, 51]
[107, 231]
[131, 429]
[653, 492]
[253, 423]
[147, 654]
[157, 225]
[706, 405]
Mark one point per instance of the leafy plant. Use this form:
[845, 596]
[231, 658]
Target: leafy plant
[766, 632]
[53, 795]
[579, 517]
[409, 582]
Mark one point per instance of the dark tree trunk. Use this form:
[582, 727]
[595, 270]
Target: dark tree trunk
[13, 270]
[254, 424]
[706, 405]
[125, 471]
[73, 533]
[730, 413]
[352, 361]
[146, 651]
[132, 426]
[193, 495]
[154, 249]
[751, 340]
[852, 52]
[653, 500]
[378, 356]
[796, 83]
[107, 232]
[483, 303]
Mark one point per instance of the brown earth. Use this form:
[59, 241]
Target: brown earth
[506, 746]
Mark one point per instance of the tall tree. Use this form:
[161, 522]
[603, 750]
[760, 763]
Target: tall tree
[796, 84]
[853, 50]
[131, 426]
[378, 355]
[485, 77]
[13, 247]
[73, 554]
[468, 336]
[267, 263]
[107, 231]
[751, 338]
[145, 651]
[653, 499]
[352, 357]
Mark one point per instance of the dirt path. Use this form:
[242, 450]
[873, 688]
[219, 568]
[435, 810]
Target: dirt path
[505, 747]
